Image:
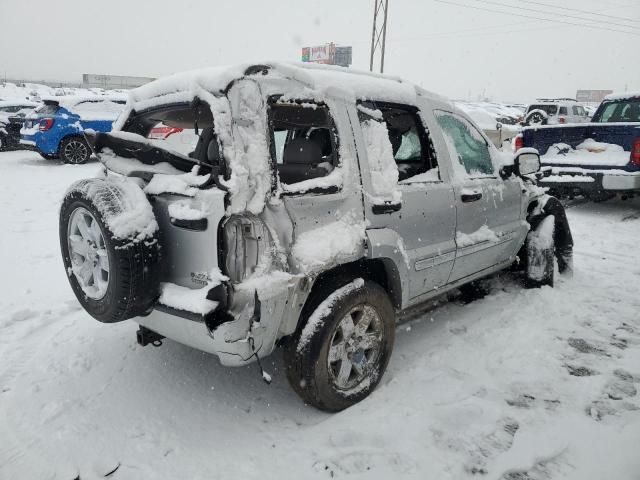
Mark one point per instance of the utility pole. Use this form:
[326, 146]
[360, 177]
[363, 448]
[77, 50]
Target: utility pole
[379, 32]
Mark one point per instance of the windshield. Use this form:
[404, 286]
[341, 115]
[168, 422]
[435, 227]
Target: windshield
[627, 110]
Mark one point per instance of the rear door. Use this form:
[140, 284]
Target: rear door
[420, 211]
[488, 207]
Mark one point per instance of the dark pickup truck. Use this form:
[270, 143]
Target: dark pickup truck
[597, 159]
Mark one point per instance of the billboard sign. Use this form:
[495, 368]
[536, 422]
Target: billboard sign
[592, 96]
[327, 54]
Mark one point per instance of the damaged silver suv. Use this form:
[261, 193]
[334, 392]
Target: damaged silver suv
[253, 206]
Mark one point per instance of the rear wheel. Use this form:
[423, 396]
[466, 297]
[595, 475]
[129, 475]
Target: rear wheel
[74, 150]
[339, 356]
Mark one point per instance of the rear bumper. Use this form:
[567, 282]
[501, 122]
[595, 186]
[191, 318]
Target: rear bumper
[575, 180]
[227, 334]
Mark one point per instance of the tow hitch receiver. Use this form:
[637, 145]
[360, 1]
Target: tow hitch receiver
[146, 337]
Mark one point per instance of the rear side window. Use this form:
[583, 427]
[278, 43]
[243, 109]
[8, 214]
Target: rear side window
[562, 111]
[466, 143]
[549, 109]
[411, 144]
[182, 129]
[48, 109]
[304, 146]
[578, 110]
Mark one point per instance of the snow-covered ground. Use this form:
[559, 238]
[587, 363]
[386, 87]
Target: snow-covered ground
[523, 384]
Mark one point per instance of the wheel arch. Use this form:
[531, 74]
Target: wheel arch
[383, 271]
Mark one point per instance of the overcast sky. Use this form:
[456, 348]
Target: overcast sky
[462, 50]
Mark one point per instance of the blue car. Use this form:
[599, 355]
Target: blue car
[55, 130]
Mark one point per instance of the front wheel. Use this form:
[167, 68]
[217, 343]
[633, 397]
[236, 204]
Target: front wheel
[540, 255]
[74, 150]
[339, 356]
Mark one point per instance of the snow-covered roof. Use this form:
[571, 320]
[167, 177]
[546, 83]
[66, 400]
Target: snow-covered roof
[319, 78]
[623, 96]
[70, 101]
[14, 102]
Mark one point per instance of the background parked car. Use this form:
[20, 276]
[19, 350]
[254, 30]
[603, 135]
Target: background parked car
[9, 108]
[597, 160]
[555, 111]
[56, 129]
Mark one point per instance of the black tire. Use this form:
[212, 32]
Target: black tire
[306, 354]
[536, 118]
[132, 286]
[75, 150]
[472, 291]
[46, 156]
[540, 255]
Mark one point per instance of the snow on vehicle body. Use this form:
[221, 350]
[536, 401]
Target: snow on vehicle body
[8, 109]
[597, 159]
[56, 129]
[321, 203]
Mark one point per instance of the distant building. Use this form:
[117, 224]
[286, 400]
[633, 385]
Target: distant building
[592, 96]
[328, 54]
[91, 80]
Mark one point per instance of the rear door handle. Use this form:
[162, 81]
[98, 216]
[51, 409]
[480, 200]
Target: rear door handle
[386, 207]
[471, 197]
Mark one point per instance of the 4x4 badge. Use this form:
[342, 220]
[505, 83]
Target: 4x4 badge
[200, 278]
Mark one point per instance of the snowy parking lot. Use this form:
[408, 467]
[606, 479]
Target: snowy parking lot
[523, 384]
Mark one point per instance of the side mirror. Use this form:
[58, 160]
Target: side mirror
[527, 162]
[498, 126]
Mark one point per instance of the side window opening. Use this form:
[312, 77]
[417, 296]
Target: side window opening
[466, 142]
[412, 148]
[182, 129]
[562, 111]
[304, 145]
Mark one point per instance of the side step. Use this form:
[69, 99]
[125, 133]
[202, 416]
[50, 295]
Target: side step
[146, 337]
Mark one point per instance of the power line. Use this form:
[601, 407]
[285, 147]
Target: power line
[550, 13]
[581, 11]
[597, 27]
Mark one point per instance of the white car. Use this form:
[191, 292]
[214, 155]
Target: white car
[555, 111]
[12, 108]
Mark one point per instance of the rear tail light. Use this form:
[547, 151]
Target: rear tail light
[635, 153]
[247, 245]
[45, 124]
[519, 143]
[562, 120]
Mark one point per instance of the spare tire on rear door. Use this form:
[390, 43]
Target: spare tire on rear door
[110, 248]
